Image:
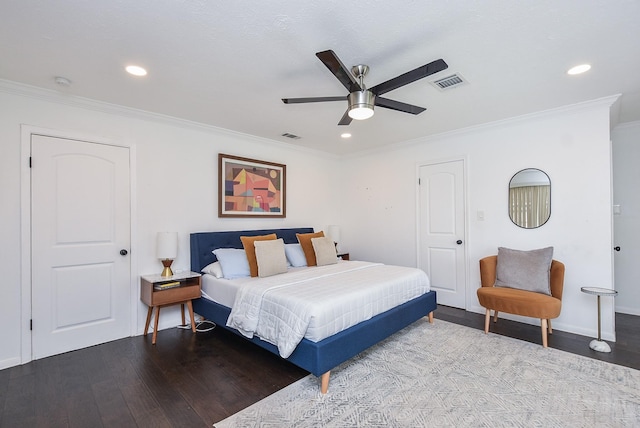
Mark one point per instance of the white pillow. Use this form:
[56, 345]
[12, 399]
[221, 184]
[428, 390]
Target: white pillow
[213, 269]
[325, 250]
[270, 257]
[295, 255]
[233, 261]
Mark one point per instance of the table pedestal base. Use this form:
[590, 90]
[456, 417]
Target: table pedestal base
[599, 345]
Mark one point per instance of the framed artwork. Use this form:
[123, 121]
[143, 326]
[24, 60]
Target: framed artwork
[250, 187]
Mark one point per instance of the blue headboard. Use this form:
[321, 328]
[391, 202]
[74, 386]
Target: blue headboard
[203, 243]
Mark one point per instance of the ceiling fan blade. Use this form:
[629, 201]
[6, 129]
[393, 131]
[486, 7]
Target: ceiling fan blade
[312, 100]
[397, 105]
[346, 119]
[409, 77]
[335, 66]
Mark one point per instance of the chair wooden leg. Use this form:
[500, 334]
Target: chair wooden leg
[543, 326]
[495, 316]
[550, 329]
[487, 320]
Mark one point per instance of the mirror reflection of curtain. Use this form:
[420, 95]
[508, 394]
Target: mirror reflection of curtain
[530, 205]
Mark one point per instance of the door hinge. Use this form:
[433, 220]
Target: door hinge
[419, 183]
[31, 325]
[29, 161]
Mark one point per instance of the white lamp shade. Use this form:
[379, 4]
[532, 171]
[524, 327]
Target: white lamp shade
[167, 245]
[334, 232]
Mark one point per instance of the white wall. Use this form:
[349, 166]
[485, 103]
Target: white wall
[375, 193]
[571, 145]
[175, 172]
[626, 177]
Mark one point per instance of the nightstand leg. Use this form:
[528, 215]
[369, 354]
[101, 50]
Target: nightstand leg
[155, 325]
[146, 325]
[193, 321]
[182, 312]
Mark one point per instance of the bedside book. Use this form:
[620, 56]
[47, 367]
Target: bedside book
[166, 285]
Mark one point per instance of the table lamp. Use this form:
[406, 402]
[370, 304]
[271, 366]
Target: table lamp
[167, 250]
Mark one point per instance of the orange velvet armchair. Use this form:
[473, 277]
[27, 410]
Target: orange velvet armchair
[520, 302]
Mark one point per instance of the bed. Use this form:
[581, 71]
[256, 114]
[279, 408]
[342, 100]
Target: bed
[318, 357]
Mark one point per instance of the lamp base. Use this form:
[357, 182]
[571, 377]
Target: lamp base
[167, 268]
[599, 345]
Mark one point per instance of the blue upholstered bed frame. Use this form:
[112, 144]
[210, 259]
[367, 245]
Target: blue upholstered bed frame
[316, 357]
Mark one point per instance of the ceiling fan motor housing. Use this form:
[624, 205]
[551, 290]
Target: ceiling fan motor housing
[361, 104]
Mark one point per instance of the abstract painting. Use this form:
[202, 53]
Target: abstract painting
[250, 187]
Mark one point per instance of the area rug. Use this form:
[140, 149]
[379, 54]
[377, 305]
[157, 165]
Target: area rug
[447, 375]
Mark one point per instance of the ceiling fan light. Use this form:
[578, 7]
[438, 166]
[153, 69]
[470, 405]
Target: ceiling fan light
[361, 105]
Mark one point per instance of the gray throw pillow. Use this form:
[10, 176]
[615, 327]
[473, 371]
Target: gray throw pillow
[524, 270]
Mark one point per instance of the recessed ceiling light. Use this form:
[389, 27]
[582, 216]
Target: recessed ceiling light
[136, 70]
[345, 135]
[579, 69]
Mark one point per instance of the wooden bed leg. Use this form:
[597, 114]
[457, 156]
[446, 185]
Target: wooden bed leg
[324, 382]
[487, 320]
[431, 317]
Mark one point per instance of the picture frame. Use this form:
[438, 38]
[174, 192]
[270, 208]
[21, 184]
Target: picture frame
[251, 188]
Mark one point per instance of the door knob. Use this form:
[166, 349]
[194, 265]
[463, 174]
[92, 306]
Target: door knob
[123, 252]
[459, 242]
[617, 248]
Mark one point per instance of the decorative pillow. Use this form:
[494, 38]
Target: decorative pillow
[525, 270]
[325, 250]
[233, 262]
[305, 242]
[247, 243]
[270, 257]
[295, 255]
[213, 269]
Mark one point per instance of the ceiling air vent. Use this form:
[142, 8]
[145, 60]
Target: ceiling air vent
[449, 82]
[292, 136]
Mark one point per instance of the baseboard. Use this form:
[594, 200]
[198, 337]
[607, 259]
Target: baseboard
[628, 310]
[9, 362]
[557, 325]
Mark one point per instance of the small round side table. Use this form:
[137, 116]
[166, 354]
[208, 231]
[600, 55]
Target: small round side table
[599, 344]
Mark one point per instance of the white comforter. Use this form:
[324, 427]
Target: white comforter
[318, 302]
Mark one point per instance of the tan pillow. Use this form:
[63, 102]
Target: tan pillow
[305, 242]
[270, 257]
[250, 249]
[325, 250]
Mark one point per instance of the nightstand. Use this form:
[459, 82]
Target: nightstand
[343, 256]
[183, 287]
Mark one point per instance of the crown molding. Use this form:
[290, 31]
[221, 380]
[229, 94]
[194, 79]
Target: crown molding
[57, 97]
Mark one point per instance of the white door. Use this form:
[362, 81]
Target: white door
[441, 230]
[626, 152]
[80, 223]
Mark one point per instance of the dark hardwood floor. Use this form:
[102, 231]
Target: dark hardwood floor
[191, 380]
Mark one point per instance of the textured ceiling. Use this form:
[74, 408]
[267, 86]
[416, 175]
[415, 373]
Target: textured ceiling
[228, 63]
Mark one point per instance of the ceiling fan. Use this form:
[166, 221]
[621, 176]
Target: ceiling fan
[362, 100]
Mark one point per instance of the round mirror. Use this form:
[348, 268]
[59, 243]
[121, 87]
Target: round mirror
[530, 198]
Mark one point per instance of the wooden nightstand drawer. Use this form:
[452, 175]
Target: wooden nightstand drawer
[178, 294]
